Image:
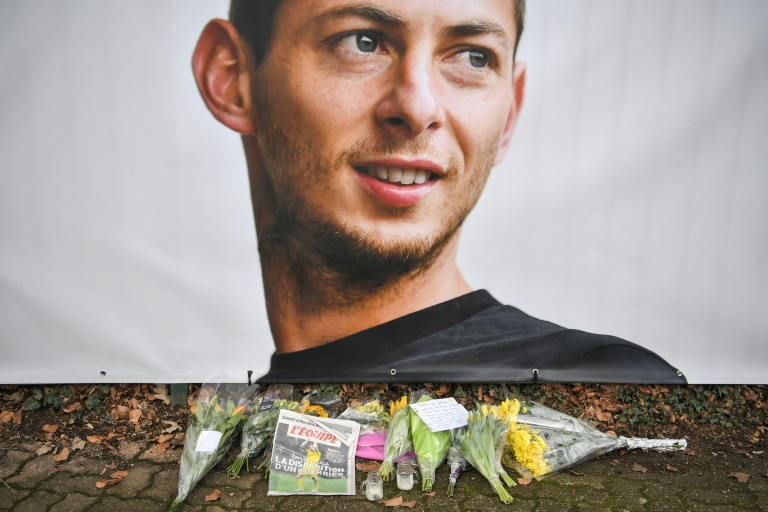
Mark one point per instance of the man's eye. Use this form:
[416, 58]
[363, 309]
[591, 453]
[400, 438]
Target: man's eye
[363, 42]
[366, 43]
[475, 58]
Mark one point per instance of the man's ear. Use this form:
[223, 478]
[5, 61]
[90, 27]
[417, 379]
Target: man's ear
[518, 94]
[221, 67]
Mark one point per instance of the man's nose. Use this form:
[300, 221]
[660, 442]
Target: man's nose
[412, 104]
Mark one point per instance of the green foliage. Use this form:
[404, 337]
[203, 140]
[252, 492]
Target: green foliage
[714, 405]
[34, 400]
[48, 397]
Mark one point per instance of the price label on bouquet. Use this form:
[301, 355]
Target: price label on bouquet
[441, 414]
[208, 441]
[267, 402]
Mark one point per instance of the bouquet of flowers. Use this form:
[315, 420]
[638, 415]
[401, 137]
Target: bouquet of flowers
[482, 445]
[312, 410]
[371, 416]
[431, 447]
[541, 440]
[456, 460]
[398, 436]
[217, 417]
[260, 426]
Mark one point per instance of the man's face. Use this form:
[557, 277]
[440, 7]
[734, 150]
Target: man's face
[382, 119]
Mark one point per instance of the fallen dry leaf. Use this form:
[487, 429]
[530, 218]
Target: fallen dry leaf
[671, 469]
[603, 416]
[6, 416]
[524, 481]
[77, 444]
[74, 406]
[103, 471]
[637, 468]
[742, 478]
[430, 493]
[368, 466]
[134, 415]
[409, 504]
[394, 502]
[213, 496]
[62, 455]
[119, 474]
[173, 427]
[120, 412]
[161, 393]
[50, 428]
[103, 483]
[44, 449]
[94, 439]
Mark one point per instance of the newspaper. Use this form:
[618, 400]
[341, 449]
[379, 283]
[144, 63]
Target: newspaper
[313, 455]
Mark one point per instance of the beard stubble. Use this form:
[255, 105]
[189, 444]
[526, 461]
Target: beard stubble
[325, 264]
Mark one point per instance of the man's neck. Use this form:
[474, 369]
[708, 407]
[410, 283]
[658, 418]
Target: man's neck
[296, 328]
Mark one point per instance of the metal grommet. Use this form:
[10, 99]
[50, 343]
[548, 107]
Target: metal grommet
[103, 373]
[679, 373]
[535, 375]
[392, 371]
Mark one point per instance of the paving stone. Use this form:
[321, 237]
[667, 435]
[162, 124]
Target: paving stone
[335, 503]
[717, 495]
[9, 496]
[662, 497]
[82, 466]
[115, 504]
[230, 498]
[74, 502]
[444, 503]
[577, 493]
[139, 477]
[481, 502]
[12, 460]
[221, 479]
[37, 501]
[590, 508]
[165, 484]
[83, 484]
[34, 471]
[260, 502]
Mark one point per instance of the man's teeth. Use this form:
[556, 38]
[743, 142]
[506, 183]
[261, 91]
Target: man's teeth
[399, 175]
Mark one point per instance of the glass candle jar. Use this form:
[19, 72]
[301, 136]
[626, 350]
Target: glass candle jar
[373, 486]
[407, 475]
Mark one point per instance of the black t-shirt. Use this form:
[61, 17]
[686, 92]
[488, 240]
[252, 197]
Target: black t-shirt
[473, 338]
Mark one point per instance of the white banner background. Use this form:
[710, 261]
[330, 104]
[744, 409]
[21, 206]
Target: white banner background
[634, 200]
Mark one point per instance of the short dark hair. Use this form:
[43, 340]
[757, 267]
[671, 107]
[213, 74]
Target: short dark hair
[255, 21]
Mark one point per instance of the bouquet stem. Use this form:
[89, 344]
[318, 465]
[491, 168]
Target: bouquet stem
[507, 479]
[504, 496]
[233, 470]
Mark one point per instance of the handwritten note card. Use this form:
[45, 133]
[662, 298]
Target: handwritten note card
[208, 441]
[441, 414]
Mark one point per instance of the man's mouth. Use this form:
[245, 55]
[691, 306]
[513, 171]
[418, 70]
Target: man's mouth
[398, 175]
